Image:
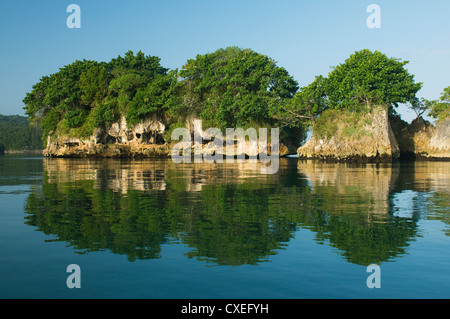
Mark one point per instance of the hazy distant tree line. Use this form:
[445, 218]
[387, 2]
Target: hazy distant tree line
[17, 134]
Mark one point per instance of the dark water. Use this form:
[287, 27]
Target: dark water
[156, 229]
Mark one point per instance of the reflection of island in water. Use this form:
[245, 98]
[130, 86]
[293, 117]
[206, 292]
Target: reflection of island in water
[229, 214]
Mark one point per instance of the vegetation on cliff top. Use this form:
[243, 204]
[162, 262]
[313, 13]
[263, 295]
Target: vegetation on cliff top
[439, 109]
[364, 81]
[89, 94]
[231, 87]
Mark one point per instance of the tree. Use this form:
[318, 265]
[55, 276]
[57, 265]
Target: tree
[89, 94]
[440, 109]
[94, 85]
[154, 98]
[138, 84]
[419, 106]
[306, 105]
[228, 88]
[57, 97]
[364, 80]
[234, 87]
[370, 78]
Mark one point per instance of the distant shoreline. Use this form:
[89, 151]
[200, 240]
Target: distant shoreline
[23, 151]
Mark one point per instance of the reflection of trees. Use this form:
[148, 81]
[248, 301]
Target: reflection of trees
[229, 216]
[92, 220]
[359, 237]
[20, 169]
[352, 210]
[233, 225]
[225, 223]
[439, 209]
[361, 242]
[429, 185]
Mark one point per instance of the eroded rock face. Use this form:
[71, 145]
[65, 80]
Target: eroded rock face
[374, 140]
[119, 140]
[440, 141]
[146, 140]
[422, 139]
[149, 131]
[206, 139]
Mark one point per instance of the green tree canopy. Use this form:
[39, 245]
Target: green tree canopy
[308, 103]
[228, 88]
[370, 78]
[89, 94]
[234, 87]
[58, 97]
[440, 109]
[364, 80]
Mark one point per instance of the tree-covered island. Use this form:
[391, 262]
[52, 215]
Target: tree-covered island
[130, 105]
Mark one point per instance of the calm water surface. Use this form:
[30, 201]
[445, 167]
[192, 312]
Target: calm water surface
[155, 229]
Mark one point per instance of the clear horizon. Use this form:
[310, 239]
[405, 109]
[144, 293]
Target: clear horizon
[305, 39]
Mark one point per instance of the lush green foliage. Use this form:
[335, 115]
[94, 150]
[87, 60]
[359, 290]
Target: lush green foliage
[326, 126]
[17, 134]
[89, 94]
[366, 79]
[154, 98]
[234, 87]
[439, 109]
[308, 103]
[230, 87]
[370, 78]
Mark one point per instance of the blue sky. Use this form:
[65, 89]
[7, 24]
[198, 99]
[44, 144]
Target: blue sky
[304, 37]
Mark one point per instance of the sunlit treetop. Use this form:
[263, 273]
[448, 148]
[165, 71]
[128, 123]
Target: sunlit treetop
[370, 78]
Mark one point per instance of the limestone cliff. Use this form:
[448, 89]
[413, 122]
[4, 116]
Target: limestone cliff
[422, 139]
[145, 139]
[119, 140]
[440, 141]
[362, 136]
